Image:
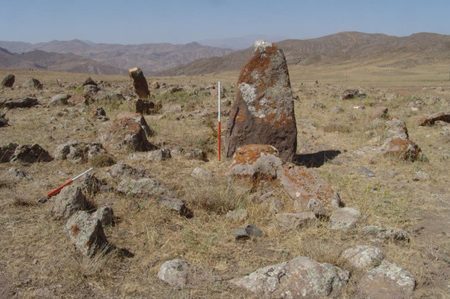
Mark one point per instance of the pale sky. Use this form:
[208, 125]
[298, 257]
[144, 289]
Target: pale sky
[181, 21]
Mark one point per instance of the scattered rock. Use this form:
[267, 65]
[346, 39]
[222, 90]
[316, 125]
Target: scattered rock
[201, 173]
[250, 231]
[70, 200]
[398, 143]
[293, 221]
[432, 119]
[301, 277]
[175, 273]
[190, 154]
[3, 120]
[129, 131]
[381, 112]
[387, 281]
[86, 233]
[139, 83]
[256, 161]
[155, 85]
[344, 218]
[59, 100]
[237, 215]
[159, 155]
[24, 153]
[123, 170]
[89, 93]
[16, 174]
[100, 114]
[89, 81]
[142, 187]
[147, 107]
[105, 215]
[8, 81]
[91, 185]
[7, 152]
[363, 257]
[308, 190]
[263, 112]
[177, 205]
[366, 172]
[33, 83]
[385, 233]
[421, 176]
[352, 93]
[78, 152]
[21, 103]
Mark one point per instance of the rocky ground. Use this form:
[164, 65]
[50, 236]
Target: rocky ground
[160, 217]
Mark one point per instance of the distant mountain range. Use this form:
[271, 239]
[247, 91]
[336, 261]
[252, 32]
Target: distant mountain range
[239, 43]
[107, 58]
[402, 52]
[195, 58]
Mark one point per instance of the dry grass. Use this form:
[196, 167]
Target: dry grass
[41, 260]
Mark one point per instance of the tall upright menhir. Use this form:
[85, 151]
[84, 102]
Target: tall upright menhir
[263, 112]
[139, 83]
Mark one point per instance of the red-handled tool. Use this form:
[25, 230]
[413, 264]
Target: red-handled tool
[66, 183]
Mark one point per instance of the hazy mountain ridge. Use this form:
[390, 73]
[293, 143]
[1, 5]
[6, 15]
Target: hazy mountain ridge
[337, 48]
[38, 59]
[150, 57]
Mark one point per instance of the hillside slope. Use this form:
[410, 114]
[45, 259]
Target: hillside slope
[338, 48]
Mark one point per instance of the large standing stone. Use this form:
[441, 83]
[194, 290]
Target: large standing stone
[301, 277]
[139, 82]
[263, 112]
[8, 81]
[86, 232]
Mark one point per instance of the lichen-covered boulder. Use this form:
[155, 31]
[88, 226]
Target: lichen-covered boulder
[301, 277]
[308, 190]
[387, 281]
[129, 131]
[363, 257]
[256, 160]
[263, 112]
[86, 233]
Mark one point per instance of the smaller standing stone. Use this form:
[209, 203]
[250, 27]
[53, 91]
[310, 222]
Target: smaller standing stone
[8, 81]
[69, 201]
[139, 82]
[86, 233]
[175, 273]
[344, 218]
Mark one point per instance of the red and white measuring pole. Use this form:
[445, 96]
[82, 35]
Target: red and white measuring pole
[66, 183]
[219, 124]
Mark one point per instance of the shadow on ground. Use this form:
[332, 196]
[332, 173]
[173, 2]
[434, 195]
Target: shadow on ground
[315, 159]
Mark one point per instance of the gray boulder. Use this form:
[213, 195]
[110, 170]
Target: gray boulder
[387, 281]
[344, 218]
[105, 215]
[301, 277]
[363, 257]
[78, 152]
[86, 233]
[69, 201]
[175, 273]
[298, 220]
[33, 83]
